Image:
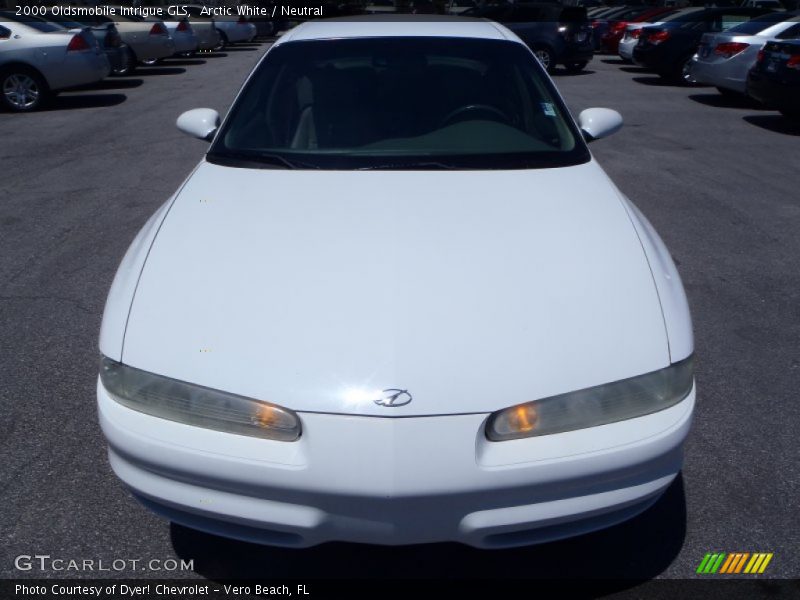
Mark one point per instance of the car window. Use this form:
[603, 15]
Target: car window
[361, 103]
[731, 20]
[758, 24]
[791, 33]
[4, 33]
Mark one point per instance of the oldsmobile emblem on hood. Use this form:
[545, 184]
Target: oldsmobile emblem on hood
[393, 397]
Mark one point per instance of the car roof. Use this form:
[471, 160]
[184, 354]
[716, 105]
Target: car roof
[370, 26]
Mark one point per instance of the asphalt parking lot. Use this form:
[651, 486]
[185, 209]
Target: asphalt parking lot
[717, 177]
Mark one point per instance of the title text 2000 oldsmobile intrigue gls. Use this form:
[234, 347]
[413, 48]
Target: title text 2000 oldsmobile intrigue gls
[398, 301]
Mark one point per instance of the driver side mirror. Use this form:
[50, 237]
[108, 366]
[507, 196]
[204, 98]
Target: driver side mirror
[596, 123]
[201, 123]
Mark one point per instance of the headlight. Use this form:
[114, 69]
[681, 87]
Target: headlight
[599, 405]
[197, 405]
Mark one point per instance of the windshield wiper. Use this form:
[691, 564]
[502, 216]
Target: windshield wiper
[259, 159]
[411, 166]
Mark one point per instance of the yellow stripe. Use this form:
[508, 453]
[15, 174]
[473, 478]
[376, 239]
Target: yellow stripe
[752, 563]
[741, 562]
[765, 563]
[754, 568]
[728, 561]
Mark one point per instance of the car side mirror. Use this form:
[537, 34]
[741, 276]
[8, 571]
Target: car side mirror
[201, 123]
[596, 123]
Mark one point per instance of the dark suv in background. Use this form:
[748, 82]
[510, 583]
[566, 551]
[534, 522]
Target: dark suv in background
[558, 35]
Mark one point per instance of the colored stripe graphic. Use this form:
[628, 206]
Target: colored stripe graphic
[758, 563]
[734, 563]
[726, 566]
[764, 564]
[703, 563]
[711, 563]
[718, 562]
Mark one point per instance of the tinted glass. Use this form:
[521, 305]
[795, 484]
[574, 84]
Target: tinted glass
[758, 24]
[382, 102]
[789, 34]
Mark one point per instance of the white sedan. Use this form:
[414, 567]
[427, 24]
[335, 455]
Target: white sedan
[397, 301]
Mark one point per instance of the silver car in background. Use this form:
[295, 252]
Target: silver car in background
[205, 25]
[235, 29]
[38, 59]
[182, 33]
[724, 59]
[206, 32]
[148, 42]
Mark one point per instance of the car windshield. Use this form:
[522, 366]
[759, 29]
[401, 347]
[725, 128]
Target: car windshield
[395, 102]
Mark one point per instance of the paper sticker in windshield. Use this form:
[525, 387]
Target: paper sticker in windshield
[548, 109]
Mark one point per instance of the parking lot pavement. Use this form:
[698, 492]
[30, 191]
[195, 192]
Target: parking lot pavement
[718, 179]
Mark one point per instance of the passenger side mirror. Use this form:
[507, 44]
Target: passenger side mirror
[596, 123]
[201, 123]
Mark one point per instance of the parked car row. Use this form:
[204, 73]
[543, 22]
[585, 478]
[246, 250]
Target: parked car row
[43, 55]
[558, 35]
[742, 50]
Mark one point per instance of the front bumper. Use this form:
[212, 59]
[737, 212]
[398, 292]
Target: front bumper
[395, 481]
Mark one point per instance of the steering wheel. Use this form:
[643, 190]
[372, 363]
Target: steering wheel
[495, 112]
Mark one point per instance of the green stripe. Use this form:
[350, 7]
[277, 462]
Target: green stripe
[711, 562]
[718, 564]
[702, 566]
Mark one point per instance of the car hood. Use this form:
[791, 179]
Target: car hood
[472, 290]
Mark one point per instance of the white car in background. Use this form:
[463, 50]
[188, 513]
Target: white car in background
[398, 301]
[38, 59]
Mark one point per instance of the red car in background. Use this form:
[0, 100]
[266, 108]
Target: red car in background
[609, 41]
